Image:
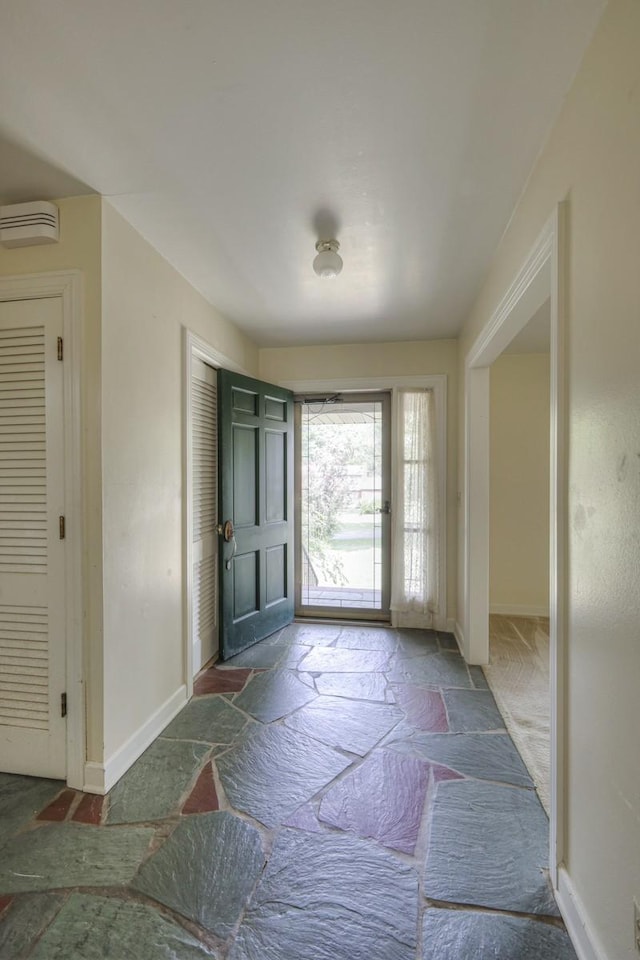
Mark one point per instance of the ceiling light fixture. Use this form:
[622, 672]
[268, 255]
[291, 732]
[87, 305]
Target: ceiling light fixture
[328, 262]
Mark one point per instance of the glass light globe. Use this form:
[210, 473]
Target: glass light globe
[328, 262]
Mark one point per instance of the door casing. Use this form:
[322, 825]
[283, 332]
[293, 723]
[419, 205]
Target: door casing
[346, 613]
[193, 346]
[69, 287]
[436, 382]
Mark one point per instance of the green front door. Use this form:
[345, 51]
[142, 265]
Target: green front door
[255, 429]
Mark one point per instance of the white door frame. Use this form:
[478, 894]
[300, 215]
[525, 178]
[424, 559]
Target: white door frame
[194, 346]
[542, 276]
[69, 287]
[437, 383]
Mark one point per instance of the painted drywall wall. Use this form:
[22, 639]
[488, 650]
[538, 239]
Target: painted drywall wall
[592, 159]
[362, 360]
[79, 249]
[145, 305]
[519, 484]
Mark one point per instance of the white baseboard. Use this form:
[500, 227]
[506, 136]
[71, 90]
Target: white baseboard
[584, 940]
[101, 777]
[515, 610]
[459, 635]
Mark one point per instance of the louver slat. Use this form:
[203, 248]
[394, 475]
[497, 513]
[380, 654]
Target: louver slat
[24, 640]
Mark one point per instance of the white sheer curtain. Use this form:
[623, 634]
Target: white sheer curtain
[415, 579]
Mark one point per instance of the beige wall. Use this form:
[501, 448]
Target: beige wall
[145, 306]
[519, 478]
[362, 360]
[592, 158]
[79, 249]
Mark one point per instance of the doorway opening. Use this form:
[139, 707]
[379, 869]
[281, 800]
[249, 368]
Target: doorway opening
[518, 669]
[343, 497]
[540, 278]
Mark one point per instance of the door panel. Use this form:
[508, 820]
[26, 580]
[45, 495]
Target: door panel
[32, 555]
[256, 495]
[245, 442]
[276, 561]
[275, 472]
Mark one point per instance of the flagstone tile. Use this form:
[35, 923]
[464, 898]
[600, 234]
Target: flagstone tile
[316, 634]
[349, 725]
[21, 798]
[220, 681]
[416, 643]
[328, 897]
[367, 638]
[307, 679]
[272, 695]
[116, 929]
[478, 677]
[281, 637]
[480, 755]
[403, 731]
[436, 670]
[424, 709]
[447, 641]
[210, 719]
[204, 797]
[331, 660]
[260, 655]
[206, 870]
[72, 855]
[21, 926]
[293, 654]
[382, 799]
[274, 770]
[353, 686]
[488, 847]
[305, 819]
[441, 773]
[153, 787]
[58, 809]
[89, 810]
[472, 710]
[455, 934]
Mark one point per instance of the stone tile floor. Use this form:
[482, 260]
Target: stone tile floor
[333, 793]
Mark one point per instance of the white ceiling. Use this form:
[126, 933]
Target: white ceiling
[233, 133]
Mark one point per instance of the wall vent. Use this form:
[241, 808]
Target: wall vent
[27, 224]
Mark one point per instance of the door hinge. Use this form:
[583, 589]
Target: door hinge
[60, 348]
[62, 528]
[63, 704]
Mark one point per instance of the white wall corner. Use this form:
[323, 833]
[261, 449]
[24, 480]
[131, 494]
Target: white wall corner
[574, 914]
[100, 778]
[459, 635]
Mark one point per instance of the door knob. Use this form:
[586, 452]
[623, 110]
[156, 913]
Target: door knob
[226, 530]
[227, 533]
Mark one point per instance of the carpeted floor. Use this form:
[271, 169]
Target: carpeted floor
[518, 675]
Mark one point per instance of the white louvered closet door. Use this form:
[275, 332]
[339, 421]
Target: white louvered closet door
[204, 434]
[32, 558]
